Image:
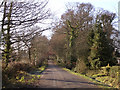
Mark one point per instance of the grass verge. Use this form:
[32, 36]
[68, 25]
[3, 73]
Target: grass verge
[99, 84]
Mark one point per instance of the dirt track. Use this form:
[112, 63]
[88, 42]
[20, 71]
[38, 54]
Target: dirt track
[55, 77]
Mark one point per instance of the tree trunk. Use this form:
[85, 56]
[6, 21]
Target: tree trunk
[29, 53]
[6, 36]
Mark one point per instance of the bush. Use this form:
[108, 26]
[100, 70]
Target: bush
[19, 66]
[80, 67]
[12, 69]
[90, 73]
[106, 70]
[113, 71]
[11, 72]
[5, 79]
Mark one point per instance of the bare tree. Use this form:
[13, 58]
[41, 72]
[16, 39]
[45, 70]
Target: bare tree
[18, 18]
[77, 21]
[39, 49]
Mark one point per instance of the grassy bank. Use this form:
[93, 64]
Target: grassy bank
[25, 79]
[97, 82]
[105, 77]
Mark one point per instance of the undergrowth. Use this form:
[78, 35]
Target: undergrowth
[20, 75]
[97, 81]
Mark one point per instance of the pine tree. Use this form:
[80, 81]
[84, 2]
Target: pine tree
[101, 51]
[90, 38]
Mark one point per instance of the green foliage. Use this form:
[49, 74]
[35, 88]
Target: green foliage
[95, 63]
[91, 73]
[90, 38]
[106, 70]
[108, 80]
[22, 79]
[107, 75]
[98, 75]
[42, 68]
[101, 85]
[113, 71]
[72, 35]
[101, 50]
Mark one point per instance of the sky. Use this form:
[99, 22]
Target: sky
[58, 7]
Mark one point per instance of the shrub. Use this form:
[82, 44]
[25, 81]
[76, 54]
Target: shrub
[13, 68]
[12, 71]
[90, 73]
[80, 67]
[106, 70]
[113, 71]
[5, 79]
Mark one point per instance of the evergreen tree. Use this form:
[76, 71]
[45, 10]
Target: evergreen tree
[101, 51]
[90, 37]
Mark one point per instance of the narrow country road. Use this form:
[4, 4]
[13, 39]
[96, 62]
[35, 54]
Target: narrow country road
[0, 73]
[56, 77]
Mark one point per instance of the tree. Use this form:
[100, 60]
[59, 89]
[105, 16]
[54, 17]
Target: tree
[74, 25]
[78, 21]
[57, 43]
[6, 36]
[116, 42]
[72, 52]
[18, 17]
[39, 50]
[90, 38]
[101, 52]
[107, 18]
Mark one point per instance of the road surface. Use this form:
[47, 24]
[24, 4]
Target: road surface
[0, 74]
[56, 77]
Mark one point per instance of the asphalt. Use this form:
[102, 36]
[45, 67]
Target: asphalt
[56, 77]
[0, 74]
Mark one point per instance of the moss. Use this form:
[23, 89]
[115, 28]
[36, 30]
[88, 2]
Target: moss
[42, 68]
[98, 75]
